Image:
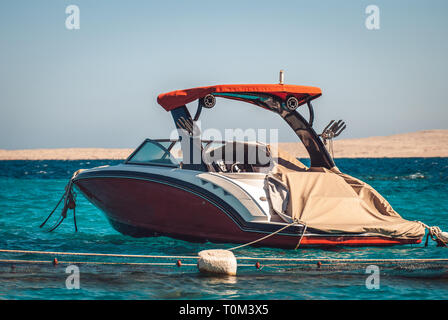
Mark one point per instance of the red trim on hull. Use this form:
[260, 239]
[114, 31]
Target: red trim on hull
[154, 208]
[356, 241]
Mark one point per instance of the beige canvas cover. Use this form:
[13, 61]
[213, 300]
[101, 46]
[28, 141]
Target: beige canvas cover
[334, 202]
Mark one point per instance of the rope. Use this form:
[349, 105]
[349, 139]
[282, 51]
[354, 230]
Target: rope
[108, 263]
[97, 254]
[301, 237]
[263, 238]
[98, 262]
[51, 213]
[69, 198]
[343, 260]
[61, 219]
[436, 235]
[326, 260]
[74, 219]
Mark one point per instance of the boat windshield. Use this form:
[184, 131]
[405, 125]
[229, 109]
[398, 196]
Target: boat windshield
[152, 152]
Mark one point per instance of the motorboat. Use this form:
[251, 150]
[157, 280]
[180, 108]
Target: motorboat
[240, 191]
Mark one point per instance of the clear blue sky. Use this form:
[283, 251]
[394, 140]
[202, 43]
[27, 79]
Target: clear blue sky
[97, 86]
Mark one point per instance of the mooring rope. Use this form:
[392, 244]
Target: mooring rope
[273, 233]
[343, 260]
[95, 262]
[327, 260]
[436, 235]
[97, 254]
[265, 237]
[301, 237]
[69, 198]
[51, 213]
[107, 263]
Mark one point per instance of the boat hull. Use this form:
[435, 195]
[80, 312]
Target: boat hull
[147, 205]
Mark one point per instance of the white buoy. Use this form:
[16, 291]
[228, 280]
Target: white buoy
[217, 261]
[443, 236]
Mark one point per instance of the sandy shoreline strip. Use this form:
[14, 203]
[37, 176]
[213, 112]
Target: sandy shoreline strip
[65, 154]
[420, 144]
[428, 143]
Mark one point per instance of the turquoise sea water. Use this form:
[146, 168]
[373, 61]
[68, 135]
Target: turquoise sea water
[416, 188]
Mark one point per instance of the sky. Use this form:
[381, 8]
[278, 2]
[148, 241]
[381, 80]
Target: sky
[97, 86]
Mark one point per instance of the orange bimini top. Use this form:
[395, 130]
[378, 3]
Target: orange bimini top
[175, 99]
